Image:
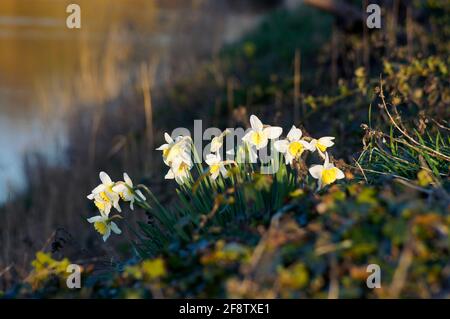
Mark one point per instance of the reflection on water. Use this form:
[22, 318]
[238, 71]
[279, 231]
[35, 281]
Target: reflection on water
[41, 62]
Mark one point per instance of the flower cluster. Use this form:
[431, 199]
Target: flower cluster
[177, 156]
[177, 153]
[107, 196]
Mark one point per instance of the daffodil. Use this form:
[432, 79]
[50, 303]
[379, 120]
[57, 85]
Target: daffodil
[259, 134]
[174, 149]
[322, 144]
[127, 192]
[292, 147]
[217, 142]
[179, 170]
[103, 195]
[216, 166]
[104, 225]
[326, 174]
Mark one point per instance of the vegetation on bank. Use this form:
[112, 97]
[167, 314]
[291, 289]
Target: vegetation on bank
[276, 235]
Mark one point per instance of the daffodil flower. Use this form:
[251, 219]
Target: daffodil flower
[326, 174]
[104, 225]
[103, 195]
[292, 147]
[259, 135]
[217, 142]
[126, 191]
[322, 144]
[178, 148]
[179, 171]
[216, 166]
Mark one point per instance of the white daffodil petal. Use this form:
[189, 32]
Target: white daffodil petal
[168, 138]
[127, 179]
[281, 145]
[95, 219]
[294, 134]
[100, 188]
[273, 132]
[253, 156]
[247, 136]
[288, 158]
[316, 171]
[115, 228]
[117, 206]
[306, 145]
[163, 147]
[326, 141]
[169, 175]
[256, 123]
[263, 142]
[327, 163]
[224, 171]
[339, 174]
[107, 234]
[120, 188]
[105, 178]
[212, 159]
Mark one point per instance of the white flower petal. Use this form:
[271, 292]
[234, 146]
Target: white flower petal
[263, 142]
[117, 206]
[163, 147]
[281, 145]
[294, 134]
[105, 178]
[316, 171]
[327, 163]
[107, 234]
[247, 136]
[339, 174]
[127, 179]
[223, 171]
[168, 138]
[256, 123]
[100, 188]
[169, 175]
[212, 159]
[326, 141]
[115, 228]
[290, 158]
[273, 132]
[95, 219]
[307, 145]
[253, 156]
[120, 188]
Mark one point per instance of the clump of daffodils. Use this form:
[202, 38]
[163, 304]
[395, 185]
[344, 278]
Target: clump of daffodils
[177, 155]
[107, 196]
[177, 152]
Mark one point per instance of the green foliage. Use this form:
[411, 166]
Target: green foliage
[202, 204]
